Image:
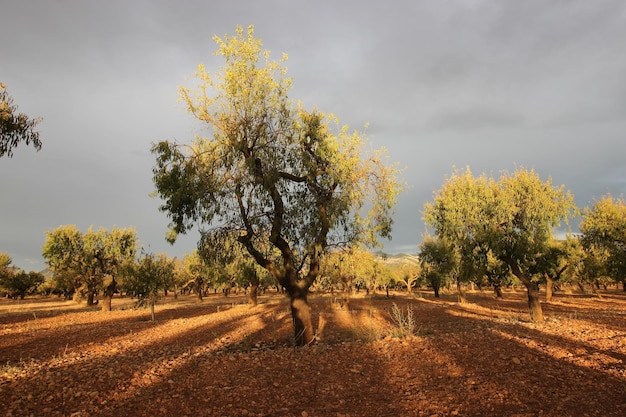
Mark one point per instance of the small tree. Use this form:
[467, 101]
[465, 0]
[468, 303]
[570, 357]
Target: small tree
[21, 283]
[92, 257]
[604, 227]
[438, 260]
[15, 127]
[146, 277]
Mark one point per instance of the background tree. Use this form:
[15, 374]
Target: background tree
[604, 227]
[277, 175]
[438, 260]
[557, 258]
[5, 262]
[91, 257]
[15, 127]
[198, 274]
[19, 283]
[497, 272]
[513, 217]
[14, 281]
[407, 273]
[147, 276]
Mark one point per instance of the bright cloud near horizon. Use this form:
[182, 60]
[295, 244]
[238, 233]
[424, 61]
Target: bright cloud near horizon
[489, 84]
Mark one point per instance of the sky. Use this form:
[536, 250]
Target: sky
[493, 85]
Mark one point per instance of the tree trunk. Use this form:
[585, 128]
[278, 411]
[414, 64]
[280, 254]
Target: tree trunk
[301, 315]
[109, 290]
[152, 302]
[549, 288]
[534, 305]
[436, 290]
[253, 294]
[199, 284]
[90, 298]
[462, 297]
[346, 281]
[498, 290]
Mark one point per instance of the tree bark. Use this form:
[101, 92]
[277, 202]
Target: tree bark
[90, 298]
[152, 302]
[549, 288]
[253, 294]
[462, 297]
[346, 282]
[498, 290]
[534, 305]
[109, 290]
[301, 316]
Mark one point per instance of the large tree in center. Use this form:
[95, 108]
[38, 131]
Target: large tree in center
[288, 181]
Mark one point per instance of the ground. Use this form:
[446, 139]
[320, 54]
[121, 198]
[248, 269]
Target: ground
[221, 357]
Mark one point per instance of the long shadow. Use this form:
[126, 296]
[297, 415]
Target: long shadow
[526, 382]
[441, 372]
[28, 345]
[97, 384]
[276, 381]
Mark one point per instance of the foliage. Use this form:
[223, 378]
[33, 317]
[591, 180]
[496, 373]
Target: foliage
[147, 276]
[16, 282]
[15, 127]
[90, 256]
[604, 230]
[286, 181]
[438, 260]
[20, 283]
[512, 217]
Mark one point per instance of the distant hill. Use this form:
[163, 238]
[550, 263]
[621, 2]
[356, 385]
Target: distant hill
[397, 258]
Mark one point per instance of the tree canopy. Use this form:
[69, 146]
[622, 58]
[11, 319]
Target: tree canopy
[279, 176]
[91, 257]
[15, 127]
[604, 228]
[513, 217]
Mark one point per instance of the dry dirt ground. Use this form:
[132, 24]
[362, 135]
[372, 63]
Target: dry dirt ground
[223, 358]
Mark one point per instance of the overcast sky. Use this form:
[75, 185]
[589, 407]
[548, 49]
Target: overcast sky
[491, 84]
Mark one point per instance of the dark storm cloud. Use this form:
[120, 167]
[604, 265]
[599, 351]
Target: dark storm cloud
[489, 84]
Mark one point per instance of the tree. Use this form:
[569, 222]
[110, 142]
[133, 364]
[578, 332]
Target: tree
[438, 260]
[197, 273]
[16, 282]
[513, 217]
[604, 226]
[146, 277]
[557, 258]
[408, 273]
[5, 262]
[287, 181]
[15, 127]
[95, 257]
[20, 283]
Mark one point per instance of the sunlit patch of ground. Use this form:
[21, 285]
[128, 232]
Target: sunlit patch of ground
[221, 357]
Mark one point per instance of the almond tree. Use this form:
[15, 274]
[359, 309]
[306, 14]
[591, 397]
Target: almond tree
[279, 176]
[604, 228]
[513, 217]
[146, 277]
[92, 257]
[15, 127]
